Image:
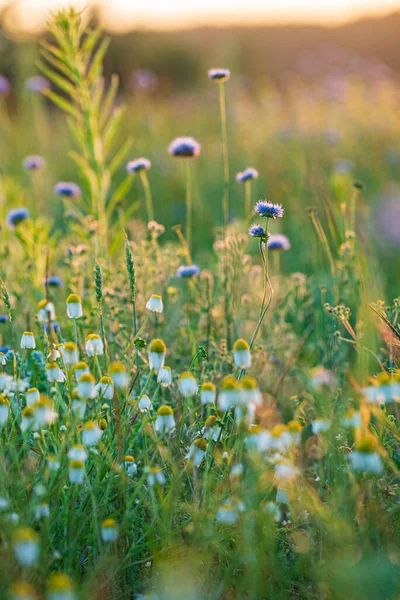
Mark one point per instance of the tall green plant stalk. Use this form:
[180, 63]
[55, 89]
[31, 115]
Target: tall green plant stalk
[147, 194]
[224, 140]
[189, 205]
[247, 200]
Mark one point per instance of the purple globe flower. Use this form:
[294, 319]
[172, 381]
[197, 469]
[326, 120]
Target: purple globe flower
[268, 209]
[4, 318]
[53, 281]
[278, 241]
[68, 189]
[186, 271]
[219, 74]
[139, 164]
[4, 86]
[184, 147]
[17, 216]
[37, 84]
[56, 326]
[33, 163]
[247, 175]
[257, 231]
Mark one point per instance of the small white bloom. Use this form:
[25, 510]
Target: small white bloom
[26, 546]
[77, 452]
[155, 475]
[32, 396]
[91, 433]
[165, 376]
[208, 393]
[28, 341]
[130, 466]
[74, 307]
[155, 304]
[144, 403]
[320, 426]
[94, 345]
[197, 451]
[70, 353]
[187, 385]
[109, 531]
[42, 511]
[165, 420]
[105, 388]
[76, 471]
[54, 373]
[86, 386]
[119, 375]
[241, 354]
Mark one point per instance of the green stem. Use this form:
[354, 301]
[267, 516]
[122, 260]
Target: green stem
[224, 139]
[148, 196]
[247, 204]
[189, 206]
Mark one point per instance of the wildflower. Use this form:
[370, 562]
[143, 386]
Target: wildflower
[37, 83]
[32, 396]
[130, 465]
[27, 420]
[320, 426]
[79, 369]
[67, 189]
[60, 587]
[321, 377]
[109, 530]
[44, 413]
[258, 232]
[86, 387]
[74, 306]
[34, 163]
[25, 542]
[28, 341]
[219, 74]
[228, 513]
[241, 354]
[53, 463]
[4, 410]
[281, 440]
[91, 433]
[105, 388]
[16, 216]
[197, 451]
[70, 353]
[157, 353]
[46, 311]
[155, 476]
[144, 403]
[77, 452]
[119, 375]
[352, 418]
[4, 318]
[76, 471]
[278, 241]
[53, 281]
[42, 511]
[211, 431]
[258, 439]
[187, 384]
[249, 391]
[137, 165]
[156, 229]
[285, 471]
[208, 393]
[295, 429]
[247, 175]
[21, 590]
[274, 510]
[184, 147]
[94, 345]
[186, 271]
[365, 456]
[54, 372]
[268, 209]
[4, 86]
[165, 420]
[228, 395]
[155, 304]
[165, 376]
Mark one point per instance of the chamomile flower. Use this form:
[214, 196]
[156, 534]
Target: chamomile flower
[247, 175]
[53, 463]
[78, 405]
[365, 456]
[74, 307]
[285, 471]
[76, 471]
[144, 403]
[27, 420]
[281, 439]
[229, 393]
[157, 354]
[208, 393]
[241, 354]
[197, 451]
[352, 418]
[60, 587]
[54, 372]
[119, 375]
[79, 369]
[268, 209]
[70, 353]
[42, 511]
[320, 426]
[21, 590]
[28, 341]
[25, 543]
[4, 410]
[187, 384]
[91, 433]
[249, 391]
[44, 413]
[137, 165]
[184, 147]
[32, 396]
[155, 304]
[295, 428]
[165, 376]
[94, 345]
[86, 386]
[130, 465]
[46, 311]
[78, 452]
[258, 439]
[211, 429]
[105, 388]
[165, 420]
[109, 531]
[155, 476]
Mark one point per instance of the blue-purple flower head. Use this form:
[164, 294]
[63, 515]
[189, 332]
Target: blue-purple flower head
[268, 209]
[17, 216]
[68, 189]
[37, 84]
[34, 163]
[247, 175]
[186, 271]
[278, 241]
[4, 318]
[184, 147]
[219, 74]
[4, 86]
[53, 281]
[139, 164]
[258, 232]
[55, 325]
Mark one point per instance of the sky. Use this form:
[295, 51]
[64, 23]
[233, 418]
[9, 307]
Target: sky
[166, 14]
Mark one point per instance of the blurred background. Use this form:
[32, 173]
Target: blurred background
[313, 104]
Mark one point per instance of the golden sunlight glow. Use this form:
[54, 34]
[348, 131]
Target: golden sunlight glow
[121, 15]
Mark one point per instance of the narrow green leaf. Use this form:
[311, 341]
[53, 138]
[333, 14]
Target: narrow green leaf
[62, 83]
[61, 103]
[120, 156]
[97, 61]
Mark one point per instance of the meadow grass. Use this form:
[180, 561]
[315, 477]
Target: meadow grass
[192, 406]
